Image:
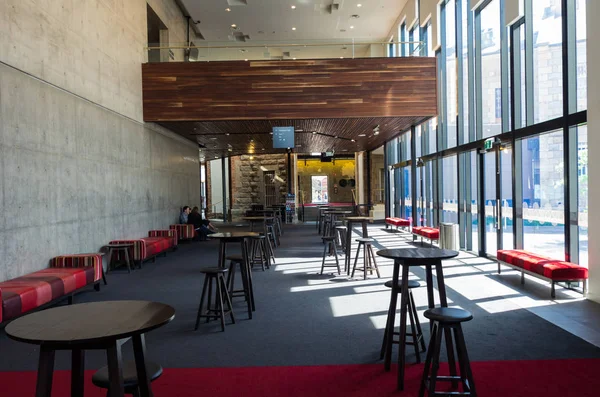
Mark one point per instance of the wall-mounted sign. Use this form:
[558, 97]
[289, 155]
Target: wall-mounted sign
[489, 144]
[283, 137]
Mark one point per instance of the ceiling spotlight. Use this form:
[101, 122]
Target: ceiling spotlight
[233, 25]
[262, 149]
[251, 157]
[230, 150]
[293, 7]
[362, 134]
[341, 57]
[216, 157]
[376, 132]
[227, 133]
[314, 132]
[294, 59]
[228, 9]
[352, 27]
[352, 140]
[214, 138]
[359, 5]
[293, 28]
[246, 61]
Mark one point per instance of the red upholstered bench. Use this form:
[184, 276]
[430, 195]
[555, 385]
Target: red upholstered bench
[397, 222]
[145, 248]
[430, 233]
[184, 232]
[67, 275]
[542, 267]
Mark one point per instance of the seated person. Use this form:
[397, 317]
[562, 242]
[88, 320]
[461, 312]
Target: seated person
[183, 216]
[203, 227]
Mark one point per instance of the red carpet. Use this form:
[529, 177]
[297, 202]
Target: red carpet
[551, 378]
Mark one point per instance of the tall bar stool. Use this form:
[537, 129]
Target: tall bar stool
[340, 234]
[447, 318]
[247, 292]
[270, 232]
[329, 242]
[369, 263]
[217, 311]
[258, 252]
[416, 333]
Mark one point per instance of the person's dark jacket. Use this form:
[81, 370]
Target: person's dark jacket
[194, 218]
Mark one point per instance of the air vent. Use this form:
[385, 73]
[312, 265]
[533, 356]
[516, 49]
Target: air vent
[238, 36]
[332, 7]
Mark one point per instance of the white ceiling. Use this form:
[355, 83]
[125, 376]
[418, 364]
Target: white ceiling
[311, 18]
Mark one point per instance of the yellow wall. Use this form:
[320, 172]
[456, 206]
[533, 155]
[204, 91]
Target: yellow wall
[335, 171]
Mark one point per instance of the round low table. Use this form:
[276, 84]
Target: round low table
[124, 247]
[405, 258]
[97, 325]
[363, 220]
[241, 238]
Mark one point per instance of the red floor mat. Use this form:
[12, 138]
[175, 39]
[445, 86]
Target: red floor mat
[548, 378]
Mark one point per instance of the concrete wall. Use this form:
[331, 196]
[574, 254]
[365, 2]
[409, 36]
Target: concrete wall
[593, 83]
[78, 167]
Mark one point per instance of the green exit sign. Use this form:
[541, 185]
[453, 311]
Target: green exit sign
[489, 144]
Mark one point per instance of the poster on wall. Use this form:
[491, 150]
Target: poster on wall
[319, 189]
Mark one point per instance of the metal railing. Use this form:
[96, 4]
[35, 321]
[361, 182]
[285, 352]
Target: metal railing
[272, 50]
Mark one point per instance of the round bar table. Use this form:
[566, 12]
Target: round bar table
[241, 238]
[349, 221]
[405, 258]
[88, 326]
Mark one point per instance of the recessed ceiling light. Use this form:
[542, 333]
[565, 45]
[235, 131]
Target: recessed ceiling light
[293, 7]
[294, 59]
[233, 25]
[246, 61]
[230, 150]
[227, 134]
[362, 134]
[228, 9]
[216, 157]
[351, 27]
[341, 57]
[214, 138]
[375, 132]
[359, 5]
[352, 140]
[314, 132]
[262, 149]
[293, 28]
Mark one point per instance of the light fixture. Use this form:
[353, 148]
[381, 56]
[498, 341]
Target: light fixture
[228, 9]
[314, 132]
[362, 134]
[227, 133]
[216, 157]
[352, 140]
[251, 157]
[359, 5]
[233, 25]
[294, 59]
[352, 27]
[246, 59]
[214, 138]
[230, 149]
[294, 28]
[293, 7]
[341, 57]
[376, 132]
[262, 149]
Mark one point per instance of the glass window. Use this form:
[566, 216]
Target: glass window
[519, 77]
[543, 195]
[319, 189]
[547, 60]
[406, 187]
[581, 55]
[419, 141]
[464, 53]
[450, 189]
[582, 190]
[451, 76]
[391, 48]
[491, 85]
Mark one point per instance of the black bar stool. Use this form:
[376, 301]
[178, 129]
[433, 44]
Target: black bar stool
[270, 231]
[447, 318]
[217, 311]
[101, 378]
[340, 233]
[329, 242]
[368, 258]
[259, 252]
[247, 291]
[416, 334]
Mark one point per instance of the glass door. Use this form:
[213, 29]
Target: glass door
[497, 199]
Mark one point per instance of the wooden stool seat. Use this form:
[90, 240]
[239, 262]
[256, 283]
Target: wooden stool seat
[447, 321]
[101, 379]
[450, 315]
[213, 270]
[411, 284]
[365, 240]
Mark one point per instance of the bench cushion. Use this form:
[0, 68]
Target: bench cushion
[184, 232]
[28, 292]
[397, 222]
[427, 232]
[156, 245]
[543, 265]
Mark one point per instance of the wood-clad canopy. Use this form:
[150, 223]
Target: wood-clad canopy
[230, 108]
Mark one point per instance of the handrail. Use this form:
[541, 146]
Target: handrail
[353, 43]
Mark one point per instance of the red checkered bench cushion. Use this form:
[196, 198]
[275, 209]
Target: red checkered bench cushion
[543, 265]
[185, 232]
[28, 292]
[80, 260]
[427, 232]
[397, 222]
[149, 246]
[156, 245]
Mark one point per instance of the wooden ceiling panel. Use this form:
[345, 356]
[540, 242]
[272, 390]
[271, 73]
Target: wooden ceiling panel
[236, 137]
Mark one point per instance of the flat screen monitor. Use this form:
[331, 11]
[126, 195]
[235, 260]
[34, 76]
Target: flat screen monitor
[283, 137]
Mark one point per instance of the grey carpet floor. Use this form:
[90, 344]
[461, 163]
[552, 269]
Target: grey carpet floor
[301, 318]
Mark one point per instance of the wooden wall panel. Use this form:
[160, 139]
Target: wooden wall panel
[301, 89]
